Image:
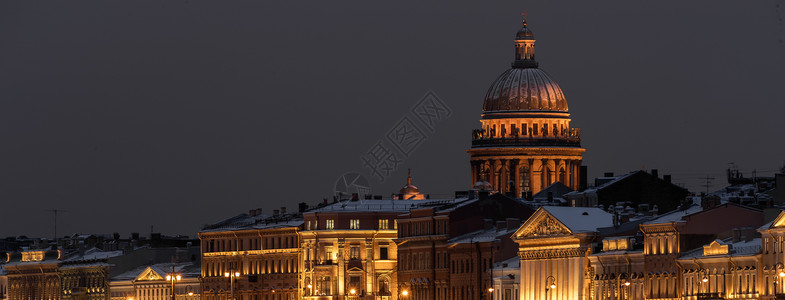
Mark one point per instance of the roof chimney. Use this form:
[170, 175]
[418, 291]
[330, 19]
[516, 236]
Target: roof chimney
[608, 174]
[283, 209]
[275, 212]
[655, 173]
[487, 224]
[501, 225]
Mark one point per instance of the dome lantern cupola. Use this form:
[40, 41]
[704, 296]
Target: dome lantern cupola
[524, 47]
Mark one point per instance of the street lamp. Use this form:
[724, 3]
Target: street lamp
[490, 292]
[232, 277]
[405, 293]
[173, 277]
[310, 289]
[781, 273]
[550, 283]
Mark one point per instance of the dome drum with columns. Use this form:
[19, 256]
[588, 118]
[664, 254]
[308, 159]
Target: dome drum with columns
[525, 143]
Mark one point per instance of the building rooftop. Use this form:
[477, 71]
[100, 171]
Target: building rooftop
[187, 269]
[676, 215]
[581, 219]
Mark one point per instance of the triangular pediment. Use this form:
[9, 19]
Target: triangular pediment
[149, 274]
[779, 222]
[542, 224]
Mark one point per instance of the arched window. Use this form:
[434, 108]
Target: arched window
[384, 286]
[525, 181]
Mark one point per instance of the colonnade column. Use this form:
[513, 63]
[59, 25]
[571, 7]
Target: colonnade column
[516, 173]
[492, 174]
[505, 172]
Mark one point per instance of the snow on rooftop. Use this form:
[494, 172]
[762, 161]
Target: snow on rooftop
[511, 263]
[581, 219]
[95, 253]
[481, 236]
[676, 215]
[384, 205]
[740, 248]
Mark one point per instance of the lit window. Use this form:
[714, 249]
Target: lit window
[330, 224]
[383, 224]
[354, 224]
[308, 225]
[354, 252]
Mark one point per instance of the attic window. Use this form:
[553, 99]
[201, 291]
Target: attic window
[585, 213]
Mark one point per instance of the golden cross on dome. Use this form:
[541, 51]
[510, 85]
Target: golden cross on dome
[524, 17]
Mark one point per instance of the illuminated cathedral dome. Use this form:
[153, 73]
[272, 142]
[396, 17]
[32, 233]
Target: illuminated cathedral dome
[525, 142]
[524, 87]
[410, 191]
[521, 89]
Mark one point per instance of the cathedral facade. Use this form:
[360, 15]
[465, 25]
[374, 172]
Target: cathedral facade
[525, 143]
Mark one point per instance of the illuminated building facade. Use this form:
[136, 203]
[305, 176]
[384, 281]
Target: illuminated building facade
[155, 283]
[252, 256]
[525, 143]
[33, 275]
[691, 253]
[554, 245]
[349, 251]
[446, 247]
[46, 275]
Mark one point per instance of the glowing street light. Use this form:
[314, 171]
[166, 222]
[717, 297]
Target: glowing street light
[173, 277]
[232, 277]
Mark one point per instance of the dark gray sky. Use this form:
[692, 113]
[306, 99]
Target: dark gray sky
[179, 113]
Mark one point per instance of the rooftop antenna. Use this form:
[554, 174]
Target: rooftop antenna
[55, 211]
[707, 184]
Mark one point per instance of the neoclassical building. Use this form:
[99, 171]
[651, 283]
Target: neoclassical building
[154, 282]
[525, 143]
[252, 256]
[554, 245]
[348, 250]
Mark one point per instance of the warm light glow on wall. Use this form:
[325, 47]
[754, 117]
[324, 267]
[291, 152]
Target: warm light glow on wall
[715, 248]
[33, 256]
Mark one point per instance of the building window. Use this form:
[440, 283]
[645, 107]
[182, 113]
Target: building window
[328, 253]
[330, 224]
[382, 253]
[354, 252]
[354, 224]
[383, 224]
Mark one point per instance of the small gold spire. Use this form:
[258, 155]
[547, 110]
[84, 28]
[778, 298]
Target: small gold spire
[409, 177]
[524, 14]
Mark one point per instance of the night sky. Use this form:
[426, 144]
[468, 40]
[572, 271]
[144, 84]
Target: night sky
[174, 114]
